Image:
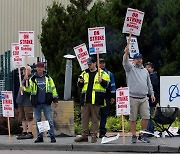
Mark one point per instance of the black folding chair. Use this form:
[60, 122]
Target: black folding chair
[165, 116]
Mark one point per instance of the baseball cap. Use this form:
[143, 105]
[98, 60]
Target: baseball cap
[137, 55]
[40, 64]
[91, 60]
[101, 60]
[150, 64]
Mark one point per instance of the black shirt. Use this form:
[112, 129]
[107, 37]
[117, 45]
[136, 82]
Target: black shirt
[90, 87]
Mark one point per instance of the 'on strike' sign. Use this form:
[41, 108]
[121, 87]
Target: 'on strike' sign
[82, 55]
[17, 60]
[26, 43]
[7, 103]
[97, 40]
[133, 21]
[122, 101]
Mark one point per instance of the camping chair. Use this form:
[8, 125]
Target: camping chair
[165, 116]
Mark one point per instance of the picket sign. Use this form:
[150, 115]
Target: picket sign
[43, 126]
[17, 60]
[133, 46]
[133, 21]
[97, 40]
[122, 105]
[26, 46]
[8, 108]
[82, 55]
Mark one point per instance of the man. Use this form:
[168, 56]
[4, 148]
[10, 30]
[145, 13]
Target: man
[139, 84]
[155, 83]
[110, 99]
[25, 110]
[92, 96]
[43, 92]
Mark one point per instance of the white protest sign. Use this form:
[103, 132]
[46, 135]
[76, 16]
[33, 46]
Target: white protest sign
[17, 60]
[109, 139]
[82, 55]
[133, 46]
[133, 21]
[7, 104]
[122, 101]
[43, 126]
[26, 43]
[97, 40]
[170, 91]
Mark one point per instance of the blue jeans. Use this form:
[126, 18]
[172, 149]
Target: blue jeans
[150, 126]
[46, 108]
[104, 114]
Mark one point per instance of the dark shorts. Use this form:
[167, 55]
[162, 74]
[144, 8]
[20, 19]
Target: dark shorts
[25, 113]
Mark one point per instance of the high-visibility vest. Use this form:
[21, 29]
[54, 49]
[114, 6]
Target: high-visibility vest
[97, 88]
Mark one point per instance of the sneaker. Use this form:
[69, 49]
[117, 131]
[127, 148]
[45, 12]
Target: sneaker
[39, 140]
[82, 138]
[22, 136]
[102, 135]
[133, 139]
[94, 139]
[143, 138]
[53, 140]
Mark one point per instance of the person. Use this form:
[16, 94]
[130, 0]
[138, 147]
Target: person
[155, 83]
[43, 92]
[25, 110]
[92, 96]
[139, 84]
[110, 99]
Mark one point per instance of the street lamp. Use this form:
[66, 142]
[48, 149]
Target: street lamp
[68, 77]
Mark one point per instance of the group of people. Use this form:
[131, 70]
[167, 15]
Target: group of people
[98, 93]
[36, 95]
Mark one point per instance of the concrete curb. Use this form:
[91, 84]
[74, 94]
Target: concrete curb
[168, 149]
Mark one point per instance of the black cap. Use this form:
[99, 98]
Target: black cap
[150, 64]
[101, 60]
[91, 60]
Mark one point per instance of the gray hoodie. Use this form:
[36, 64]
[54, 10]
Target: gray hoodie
[138, 80]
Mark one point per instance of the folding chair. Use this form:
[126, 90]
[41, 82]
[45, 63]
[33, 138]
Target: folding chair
[165, 116]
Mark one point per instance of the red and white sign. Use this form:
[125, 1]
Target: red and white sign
[7, 104]
[26, 43]
[82, 55]
[133, 46]
[133, 21]
[97, 40]
[17, 61]
[122, 101]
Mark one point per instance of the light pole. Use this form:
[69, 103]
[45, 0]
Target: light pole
[68, 77]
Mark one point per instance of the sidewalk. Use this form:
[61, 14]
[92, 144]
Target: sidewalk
[171, 145]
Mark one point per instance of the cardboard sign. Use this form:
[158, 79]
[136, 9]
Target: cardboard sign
[133, 21]
[26, 43]
[133, 46]
[7, 103]
[43, 126]
[170, 91]
[97, 40]
[17, 61]
[82, 55]
[122, 101]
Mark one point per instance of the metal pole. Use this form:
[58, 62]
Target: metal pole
[68, 80]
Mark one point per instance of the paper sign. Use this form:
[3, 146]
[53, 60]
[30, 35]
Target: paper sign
[133, 21]
[109, 139]
[17, 61]
[82, 55]
[122, 101]
[170, 91]
[133, 46]
[43, 126]
[7, 103]
[97, 40]
[26, 43]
